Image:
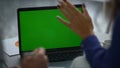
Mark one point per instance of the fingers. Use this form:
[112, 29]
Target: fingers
[64, 13]
[40, 50]
[27, 59]
[63, 21]
[41, 57]
[70, 12]
[38, 53]
[41, 54]
[64, 6]
[71, 6]
[65, 10]
[38, 58]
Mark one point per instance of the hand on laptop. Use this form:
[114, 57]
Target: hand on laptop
[37, 59]
[80, 23]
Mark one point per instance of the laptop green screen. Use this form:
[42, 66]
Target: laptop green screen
[40, 28]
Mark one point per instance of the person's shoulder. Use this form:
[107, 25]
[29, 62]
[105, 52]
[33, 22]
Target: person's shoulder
[117, 23]
[117, 17]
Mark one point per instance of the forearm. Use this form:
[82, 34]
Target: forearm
[93, 50]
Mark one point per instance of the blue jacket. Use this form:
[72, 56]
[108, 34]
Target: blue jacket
[97, 56]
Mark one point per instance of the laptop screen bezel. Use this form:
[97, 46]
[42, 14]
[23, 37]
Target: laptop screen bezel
[41, 8]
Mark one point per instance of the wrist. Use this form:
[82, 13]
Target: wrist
[87, 35]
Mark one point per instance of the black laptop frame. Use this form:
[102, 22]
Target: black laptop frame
[42, 8]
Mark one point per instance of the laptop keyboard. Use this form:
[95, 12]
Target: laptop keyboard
[64, 55]
[61, 54]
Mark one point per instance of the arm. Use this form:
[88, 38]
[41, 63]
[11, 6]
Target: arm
[112, 55]
[81, 24]
[98, 56]
[93, 50]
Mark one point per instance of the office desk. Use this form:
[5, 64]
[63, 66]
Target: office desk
[79, 62]
[15, 60]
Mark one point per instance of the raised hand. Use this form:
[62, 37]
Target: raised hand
[80, 23]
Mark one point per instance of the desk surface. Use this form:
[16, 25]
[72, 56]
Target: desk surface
[15, 60]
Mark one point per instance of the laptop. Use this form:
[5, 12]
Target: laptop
[39, 27]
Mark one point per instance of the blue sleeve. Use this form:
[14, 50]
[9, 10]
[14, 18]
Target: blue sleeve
[97, 56]
[93, 50]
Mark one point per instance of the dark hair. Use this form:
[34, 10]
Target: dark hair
[116, 6]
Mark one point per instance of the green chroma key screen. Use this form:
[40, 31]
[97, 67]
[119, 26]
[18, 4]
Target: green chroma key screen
[40, 28]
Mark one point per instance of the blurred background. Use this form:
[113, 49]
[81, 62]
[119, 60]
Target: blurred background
[8, 13]
[9, 23]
